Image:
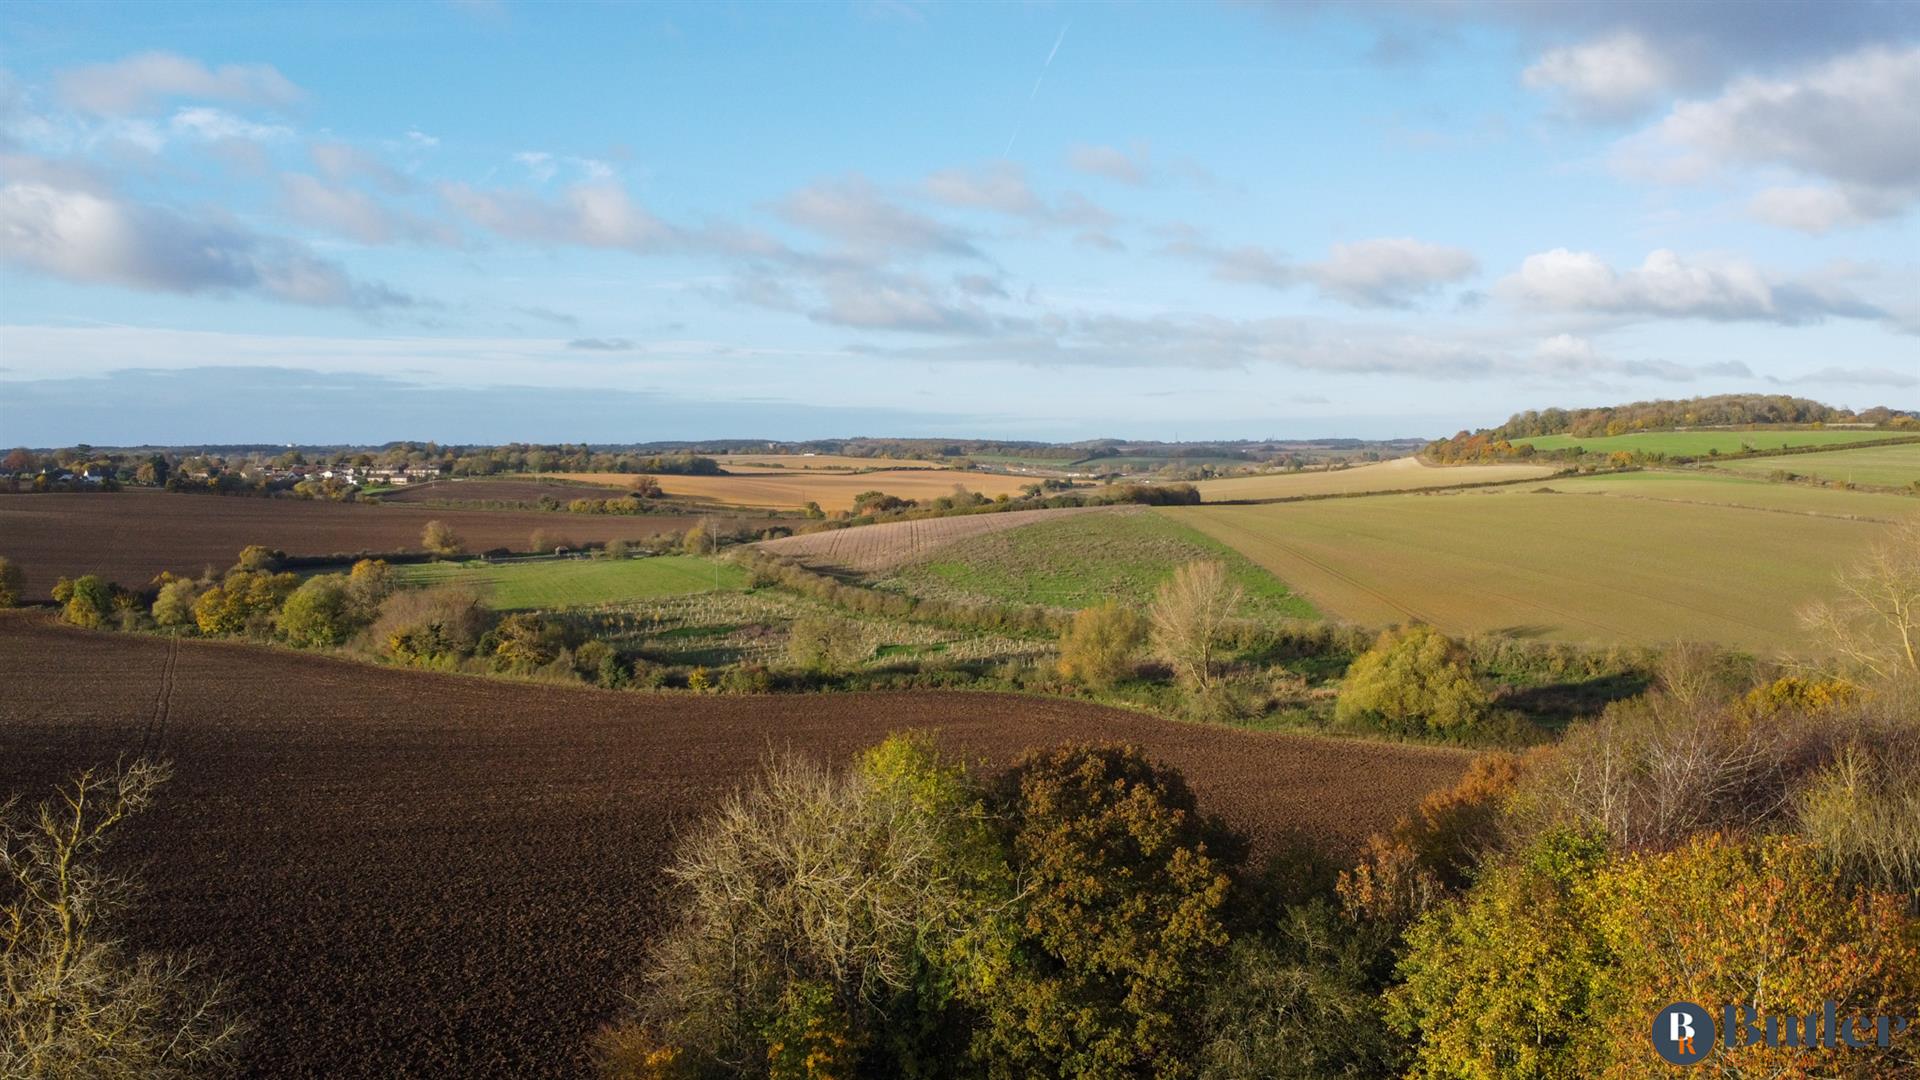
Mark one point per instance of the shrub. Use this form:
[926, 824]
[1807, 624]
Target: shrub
[438, 538]
[320, 613]
[1098, 648]
[243, 602]
[368, 584]
[88, 602]
[429, 626]
[173, 607]
[1413, 681]
[1862, 813]
[12, 583]
[698, 540]
[617, 549]
[258, 557]
[1435, 850]
[1189, 615]
[825, 645]
[523, 643]
[843, 913]
[1119, 920]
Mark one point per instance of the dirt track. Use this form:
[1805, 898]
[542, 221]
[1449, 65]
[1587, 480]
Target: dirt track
[420, 875]
[130, 536]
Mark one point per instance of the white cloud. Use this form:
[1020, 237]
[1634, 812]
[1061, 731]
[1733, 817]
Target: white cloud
[214, 125]
[1131, 166]
[96, 238]
[1850, 122]
[1667, 286]
[1611, 78]
[355, 214]
[1003, 188]
[539, 164]
[341, 161]
[853, 212]
[597, 215]
[1390, 272]
[137, 83]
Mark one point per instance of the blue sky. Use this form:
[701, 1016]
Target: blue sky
[490, 222]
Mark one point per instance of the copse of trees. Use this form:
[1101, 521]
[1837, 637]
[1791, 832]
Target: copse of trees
[13, 583]
[1414, 681]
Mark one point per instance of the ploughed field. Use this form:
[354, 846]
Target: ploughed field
[793, 489]
[486, 489]
[130, 536]
[410, 874]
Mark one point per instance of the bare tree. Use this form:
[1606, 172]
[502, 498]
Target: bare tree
[1189, 615]
[73, 1001]
[1875, 624]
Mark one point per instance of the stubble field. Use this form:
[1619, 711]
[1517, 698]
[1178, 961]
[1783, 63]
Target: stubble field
[873, 548]
[130, 536]
[1594, 566]
[414, 875]
[1396, 475]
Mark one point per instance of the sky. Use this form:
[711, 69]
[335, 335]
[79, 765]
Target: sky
[496, 221]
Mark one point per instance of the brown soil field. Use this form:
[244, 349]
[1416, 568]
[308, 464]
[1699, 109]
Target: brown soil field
[793, 490]
[517, 490]
[866, 549]
[131, 536]
[418, 875]
[1400, 474]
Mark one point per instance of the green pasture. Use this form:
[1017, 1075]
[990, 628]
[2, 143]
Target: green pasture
[553, 583]
[1704, 443]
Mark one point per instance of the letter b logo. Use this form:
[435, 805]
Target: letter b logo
[1683, 1034]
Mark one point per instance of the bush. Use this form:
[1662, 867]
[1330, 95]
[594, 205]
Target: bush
[1551, 966]
[1862, 813]
[88, 601]
[824, 645]
[438, 538]
[173, 607]
[429, 627]
[320, 613]
[1414, 681]
[1120, 918]
[12, 583]
[524, 643]
[1098, 648]
[846, 912]
[243, 602]
[1190, 616]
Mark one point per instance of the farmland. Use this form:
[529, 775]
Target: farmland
[487, 489]
[1396, 475]
[414, 874]
[1883, 466]
[1723, 489]
[832, 490]
[1558, 566]
[131, 536]
[747, 463]
[880, 547]
[551, 583]
[1077, 562]
[1702, 443]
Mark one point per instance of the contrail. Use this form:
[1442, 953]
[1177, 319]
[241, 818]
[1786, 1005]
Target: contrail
[1051, 53]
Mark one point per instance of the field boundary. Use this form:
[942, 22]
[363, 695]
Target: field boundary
[1323, 496]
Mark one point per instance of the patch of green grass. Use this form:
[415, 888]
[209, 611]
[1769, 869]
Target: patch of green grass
[552, 583]
[1078, 561]
[1703, 443]
[1881, 466]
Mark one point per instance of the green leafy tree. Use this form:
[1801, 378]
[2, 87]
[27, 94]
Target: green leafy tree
[1416, 681]
[12, 583]
[89, 602]
[1121, 916]
[1097, 649]
[822, 644]
[320, 613]
[173, 606]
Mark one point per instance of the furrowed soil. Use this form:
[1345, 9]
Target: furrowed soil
[1400, 474]
[416, 875]
[793, 489]
[487, 490]
[130, 536]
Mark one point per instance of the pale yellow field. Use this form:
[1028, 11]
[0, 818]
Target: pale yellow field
[870, 548]
[736, 463]
[832, 490]
[1398, 474]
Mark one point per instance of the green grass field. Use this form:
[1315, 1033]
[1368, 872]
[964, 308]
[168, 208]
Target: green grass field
[1701, 443]
[1882, 466]
[1078, 561]
[565, 583]
[1558, 566]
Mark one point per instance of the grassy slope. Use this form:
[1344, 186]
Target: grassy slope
[1559, 566]
[1703, 442]
[1398, 474]
[1885, 466]
[1081, 560]
[563, 583]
